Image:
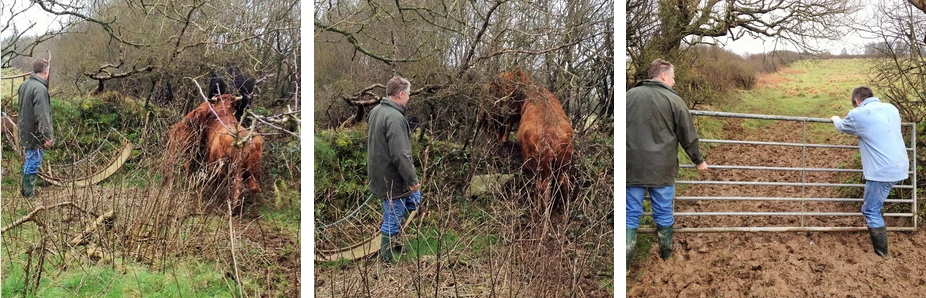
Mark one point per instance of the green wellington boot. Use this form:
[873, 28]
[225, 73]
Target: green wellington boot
[631, 243]
[28, 185]
[879, 240]
[387, 248]
[664, 237]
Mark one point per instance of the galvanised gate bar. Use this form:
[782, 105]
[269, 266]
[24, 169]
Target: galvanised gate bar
[803, 169]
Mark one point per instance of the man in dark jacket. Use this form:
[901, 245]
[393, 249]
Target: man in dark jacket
[389, 163]
[35, 129]
[657, 123]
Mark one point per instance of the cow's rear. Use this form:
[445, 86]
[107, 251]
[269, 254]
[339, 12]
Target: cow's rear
[545, 136]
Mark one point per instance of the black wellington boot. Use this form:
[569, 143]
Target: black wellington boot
[664, 237]
[879, 240]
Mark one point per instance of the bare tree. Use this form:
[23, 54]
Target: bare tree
[660, 28]
[17, 40]
[899, 72]
[458, 46]
[451, 51]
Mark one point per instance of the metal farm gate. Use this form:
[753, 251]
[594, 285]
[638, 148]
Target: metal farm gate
[803, 169]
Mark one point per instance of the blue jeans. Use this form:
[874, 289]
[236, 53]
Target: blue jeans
[662, 205]
[875, 194]
[33, 161]
[394, 210]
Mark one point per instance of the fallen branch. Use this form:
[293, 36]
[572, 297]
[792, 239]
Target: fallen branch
[270, 121]
[366, 98]
[106, 217]
[31, 215]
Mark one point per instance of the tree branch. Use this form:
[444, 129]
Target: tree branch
[359, 47]
[48, 6]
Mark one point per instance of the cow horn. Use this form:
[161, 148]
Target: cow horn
[214, 99]
[238, 98]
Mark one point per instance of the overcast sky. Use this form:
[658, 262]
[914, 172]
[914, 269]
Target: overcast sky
[34, 15]
[853, 42]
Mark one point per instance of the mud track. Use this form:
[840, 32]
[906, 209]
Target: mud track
[790, 264]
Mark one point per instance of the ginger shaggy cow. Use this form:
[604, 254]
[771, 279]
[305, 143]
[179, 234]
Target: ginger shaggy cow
[210, 136]
[545, 137]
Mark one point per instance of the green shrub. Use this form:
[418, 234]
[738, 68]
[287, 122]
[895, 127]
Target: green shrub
[340, 165]
[711, 74]
[774, 60]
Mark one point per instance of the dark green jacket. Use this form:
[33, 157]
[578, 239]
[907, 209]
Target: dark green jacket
[34, 113]
[658, 122]
[389, 151]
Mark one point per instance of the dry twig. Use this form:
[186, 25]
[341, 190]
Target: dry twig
[31, 215]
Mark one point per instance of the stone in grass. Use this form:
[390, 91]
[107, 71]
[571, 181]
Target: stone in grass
[486, 184]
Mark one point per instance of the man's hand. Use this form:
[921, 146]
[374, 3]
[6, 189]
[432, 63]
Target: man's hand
[702, 166]
[416, 187]
[48, 143]
[834, 118]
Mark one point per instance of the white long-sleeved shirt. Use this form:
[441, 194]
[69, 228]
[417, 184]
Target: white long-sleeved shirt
[884, 153]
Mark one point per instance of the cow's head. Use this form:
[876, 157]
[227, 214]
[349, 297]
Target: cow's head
[223, 105]
[510, 85]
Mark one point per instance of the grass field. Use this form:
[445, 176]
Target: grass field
[809, 88]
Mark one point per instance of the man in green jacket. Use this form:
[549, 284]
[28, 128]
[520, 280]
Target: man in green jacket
[35, 129]
[658, 122]
[390, 165]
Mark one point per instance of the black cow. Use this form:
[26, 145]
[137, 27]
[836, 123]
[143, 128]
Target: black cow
[242, 83]
[217, 85]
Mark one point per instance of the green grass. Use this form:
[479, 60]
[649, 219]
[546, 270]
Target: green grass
[428, 240]
[79, 122]
[185, 279]
[817, 89]
[285, 218]
[8, 88]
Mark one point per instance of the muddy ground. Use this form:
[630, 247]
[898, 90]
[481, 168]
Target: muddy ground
[787, 264]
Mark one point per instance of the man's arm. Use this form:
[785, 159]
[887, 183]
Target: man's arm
[847, 125]
[400, 149]
[687, 135]
[42, 108]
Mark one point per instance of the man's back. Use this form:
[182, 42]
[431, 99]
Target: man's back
[883, 151]
[657, 122]
[34, 113]
[389, 154]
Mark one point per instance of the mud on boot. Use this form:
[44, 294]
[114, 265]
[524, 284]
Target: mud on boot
[27, 190]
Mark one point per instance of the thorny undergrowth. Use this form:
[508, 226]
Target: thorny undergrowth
[159, 226]
[488, 246]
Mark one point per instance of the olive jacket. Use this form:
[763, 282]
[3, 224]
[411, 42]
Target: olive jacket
[34, 113]
[658, 122]
[389, 152]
